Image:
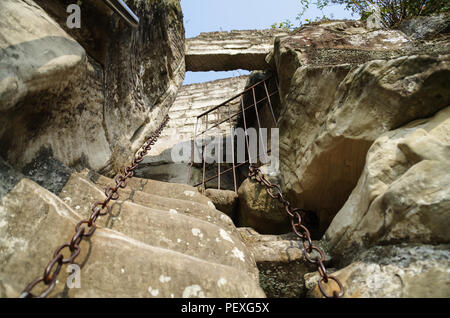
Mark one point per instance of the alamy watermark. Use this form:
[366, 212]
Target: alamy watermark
[74, 19]
[74, 278]
[242, 146]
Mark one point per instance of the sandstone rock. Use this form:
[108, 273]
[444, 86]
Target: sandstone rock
[169, 190]
[8, 177]
[374, 21]
[59, 100]
[94, 193]
[404, 190]
[224, 200]
[280, 262]
[404, 270]
[339, 93]
[113, 264]
[25, 70]
[259, 211]
[423, 27]
[163, 227]
[333, 43]
[225, 51]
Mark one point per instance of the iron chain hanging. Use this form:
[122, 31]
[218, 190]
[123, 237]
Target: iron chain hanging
[275, 192]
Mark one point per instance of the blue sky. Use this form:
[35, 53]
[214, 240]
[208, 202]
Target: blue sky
[226, 15]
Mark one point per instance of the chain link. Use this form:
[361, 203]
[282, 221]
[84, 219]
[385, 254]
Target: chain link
[275, 192]
[86, 228]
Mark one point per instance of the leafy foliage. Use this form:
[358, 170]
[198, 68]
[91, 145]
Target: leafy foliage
[287, 24]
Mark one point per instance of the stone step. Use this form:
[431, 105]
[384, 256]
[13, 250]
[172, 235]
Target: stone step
[170, 205]
[162, 228]
[35, 222]
[164, 189]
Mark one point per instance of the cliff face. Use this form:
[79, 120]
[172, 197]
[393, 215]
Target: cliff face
[342, 86]
[364, 145]
[89, 97]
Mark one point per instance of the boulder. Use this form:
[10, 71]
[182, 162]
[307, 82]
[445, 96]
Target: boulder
[259, 211]
[62, 97]
[341, 87]
[403, 193]
[224, 200]
[394, 271]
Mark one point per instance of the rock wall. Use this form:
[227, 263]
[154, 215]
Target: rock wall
[364, 146]
[89, 96]
[403, 193]
[341, 87]
[225, 51]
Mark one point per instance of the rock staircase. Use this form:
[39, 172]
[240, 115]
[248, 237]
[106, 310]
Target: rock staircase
[160, 240]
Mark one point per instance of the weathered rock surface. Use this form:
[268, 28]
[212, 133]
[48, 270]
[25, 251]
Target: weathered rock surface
[88, 111]
[224, 200]
[225, 51]
[26, 30]
[259, 211]
[424, 27]
[403, 193]
[341, 86]
[187, 204]
[137, 251]
[8, 177]
[394, 271]
[280, 262]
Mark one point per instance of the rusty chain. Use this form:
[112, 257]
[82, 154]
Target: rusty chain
[275, 192]
[85, 228]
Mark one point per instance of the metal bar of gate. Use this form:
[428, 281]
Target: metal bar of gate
[232, 152]
[121, 8]
[228, 170]
[245, 129]
[259, 123]
[234, 97]
[270, 104]
[237, 113]
[192, 153]
[219, 159]
[203, 157]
